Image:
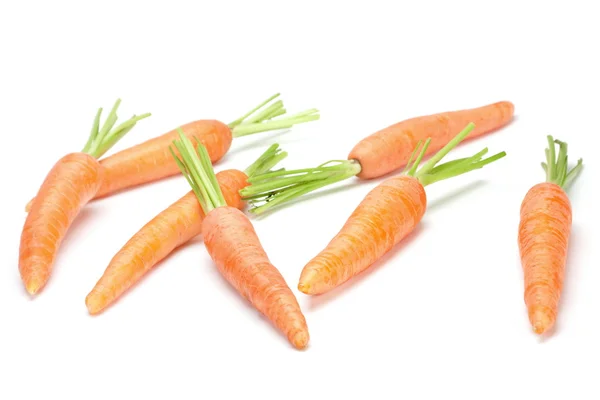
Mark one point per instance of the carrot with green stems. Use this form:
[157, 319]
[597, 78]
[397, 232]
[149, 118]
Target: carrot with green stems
[544, 230]
[151, 160]
[171, 228]
[377, 155]
[69, 185]
[236, 250]
[386, 215]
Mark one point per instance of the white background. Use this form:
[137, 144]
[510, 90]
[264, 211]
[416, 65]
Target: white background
[441, 316]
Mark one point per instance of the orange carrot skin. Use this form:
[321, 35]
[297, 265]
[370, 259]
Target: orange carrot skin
[71, 183]
[385, 216]
[235, 248]
[544, 230]
[173, 227]
[389, 149]
[151, 160]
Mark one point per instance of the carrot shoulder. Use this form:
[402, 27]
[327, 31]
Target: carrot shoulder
[544, 231]
[383, 218]
[70, 184]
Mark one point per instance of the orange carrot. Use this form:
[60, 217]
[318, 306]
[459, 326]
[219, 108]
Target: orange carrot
[171, 228]
[151, 160]
[383, 152]
[385, 216]
[544, 231]
[236, 250]
[71, 183]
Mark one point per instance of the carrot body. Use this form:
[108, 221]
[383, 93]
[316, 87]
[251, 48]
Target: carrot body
[385, 216]
[70, 184]
[173, 227]
[235, 248]
[389, 149]
[544, 230]
[151, 160]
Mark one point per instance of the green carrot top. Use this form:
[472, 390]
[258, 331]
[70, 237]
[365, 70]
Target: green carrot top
[101, 139]
[269, 115]
[556, 165]
[274, 188]
[197, 168]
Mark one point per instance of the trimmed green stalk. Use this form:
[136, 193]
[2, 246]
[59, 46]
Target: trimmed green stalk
[264, 117]
[557, 166]
[101, 139]
[271, 189]
[197, 169]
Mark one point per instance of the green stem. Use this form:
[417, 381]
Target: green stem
[103, 139]
[557, 165]
[196, 166]
[278, 187]
[431, 172]
[249, 113]
[284, 123]
[271, 157]
[446, 149]
[261, 118]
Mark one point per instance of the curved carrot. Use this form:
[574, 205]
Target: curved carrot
[151, 160]
[70, 184]
[171, 228]
[236, 250]
[376, 155]
[385, 216]
[544, 230]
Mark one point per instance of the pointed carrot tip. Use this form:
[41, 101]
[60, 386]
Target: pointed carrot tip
[300, 340]
[304, 287]
[541, 322]
[33, 286]
[93, 305]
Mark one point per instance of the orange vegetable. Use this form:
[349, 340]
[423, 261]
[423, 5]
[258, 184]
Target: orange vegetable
[544, 231]
[70, 184]
[385, 216]
[171, 228]
[236, 250]
[383, 152]
[151, 160]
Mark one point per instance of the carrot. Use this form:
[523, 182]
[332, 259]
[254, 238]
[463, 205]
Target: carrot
[236, 250]
[171, 228]
[544, 230]
[383, 152]
[386, 215]
[70, 184]
[151, 160]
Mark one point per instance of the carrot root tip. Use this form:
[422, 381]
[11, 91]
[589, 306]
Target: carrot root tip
[300, 340]
[304, 288]
[33, 286]
[541, 321]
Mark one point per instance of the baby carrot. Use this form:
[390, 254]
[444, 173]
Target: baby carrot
[236, 250]
[385, 216]
[151, 160]
[383, 152]
[70, 184]
[544, 231]
[171, 228]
